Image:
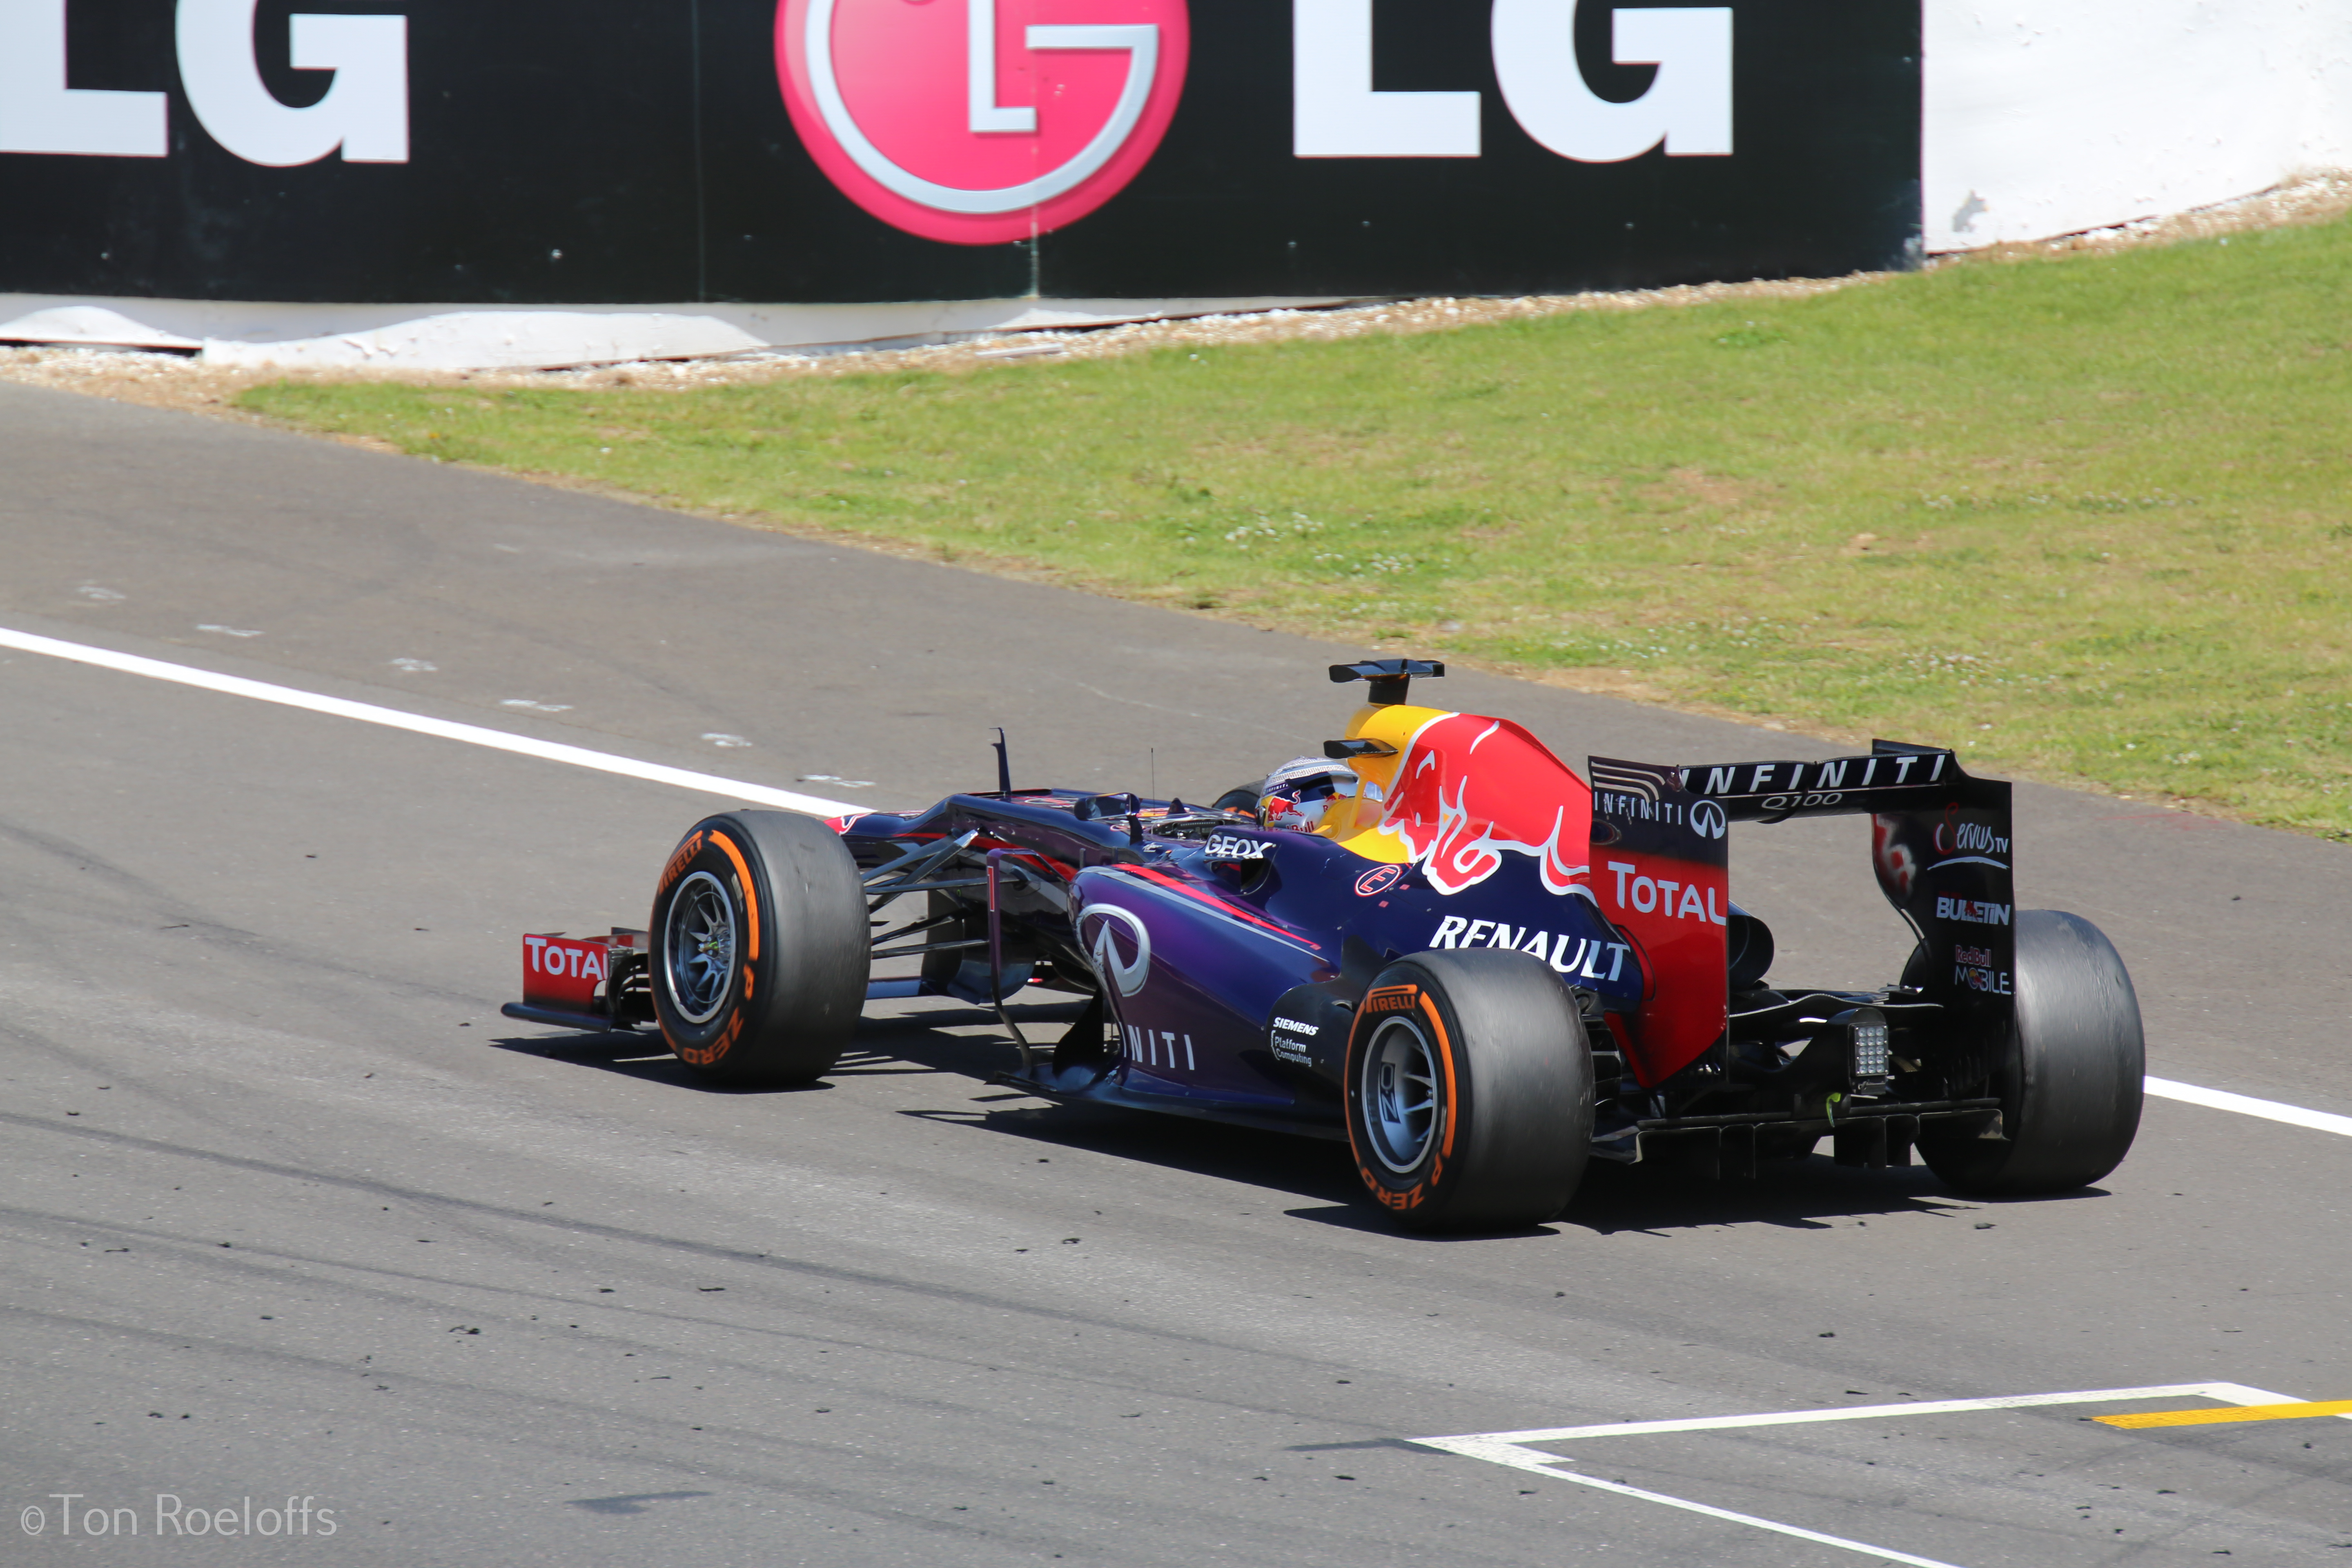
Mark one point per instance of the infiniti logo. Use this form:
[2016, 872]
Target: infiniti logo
[1707, 819]
[1128, 974]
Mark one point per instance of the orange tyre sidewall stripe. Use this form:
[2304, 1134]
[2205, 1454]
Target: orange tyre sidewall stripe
[1351, 1100]
[705, 1056]
[1452, 1097]
[750, 900]
[1348, 1100]
[1415, 1195]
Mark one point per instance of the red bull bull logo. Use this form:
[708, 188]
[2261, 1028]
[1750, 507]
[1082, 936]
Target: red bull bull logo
[1470, 789]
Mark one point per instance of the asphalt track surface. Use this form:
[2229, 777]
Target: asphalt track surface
[288, 1211]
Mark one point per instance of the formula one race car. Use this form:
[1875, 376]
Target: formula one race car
[1437, 942]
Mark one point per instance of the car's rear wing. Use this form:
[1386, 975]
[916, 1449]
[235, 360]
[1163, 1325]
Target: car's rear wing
[1939, 846]
[1892, 777]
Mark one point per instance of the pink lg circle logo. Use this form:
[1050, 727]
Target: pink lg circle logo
[979, 121]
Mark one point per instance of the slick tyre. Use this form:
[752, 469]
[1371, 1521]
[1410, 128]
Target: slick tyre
[1469, 1091]
[2070, 1078]
[760, 948]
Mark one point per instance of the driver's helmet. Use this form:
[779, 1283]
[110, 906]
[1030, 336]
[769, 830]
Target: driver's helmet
[1296, 794]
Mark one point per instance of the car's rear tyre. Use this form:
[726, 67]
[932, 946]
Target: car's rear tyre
[2070, 1078]
[760, 948]
[1469, 1091]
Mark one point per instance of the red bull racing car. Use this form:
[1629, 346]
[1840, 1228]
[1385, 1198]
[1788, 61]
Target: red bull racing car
[1438, 942]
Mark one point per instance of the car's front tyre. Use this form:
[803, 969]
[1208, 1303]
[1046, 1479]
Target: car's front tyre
[760, 948]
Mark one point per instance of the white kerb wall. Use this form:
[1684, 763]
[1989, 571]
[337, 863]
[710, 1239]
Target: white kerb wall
[2044, 120]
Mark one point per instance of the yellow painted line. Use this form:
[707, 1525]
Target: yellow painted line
[2230, 1413]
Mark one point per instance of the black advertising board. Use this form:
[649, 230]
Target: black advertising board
[843, 151]
[1822, 178]
[530, 132]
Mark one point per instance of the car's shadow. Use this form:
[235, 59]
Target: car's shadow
[633, 1053]
[1812, 1193]
[1653, 1199]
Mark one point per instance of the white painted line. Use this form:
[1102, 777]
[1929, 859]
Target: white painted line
[2229, 1393]
[416, 723]
[2247, 1105]
[1521, 1459]
[1510, 1448]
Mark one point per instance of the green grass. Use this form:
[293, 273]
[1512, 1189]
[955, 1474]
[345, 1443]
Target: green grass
[2088, 518]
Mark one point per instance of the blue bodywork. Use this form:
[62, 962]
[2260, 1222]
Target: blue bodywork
[1224, 959]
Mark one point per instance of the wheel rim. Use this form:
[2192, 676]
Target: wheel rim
[699, 948]
[1399, 1093]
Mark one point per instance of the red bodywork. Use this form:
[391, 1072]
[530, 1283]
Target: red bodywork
[1679, 939]
[1661, 873]
[566, 973]
[1471, 787]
